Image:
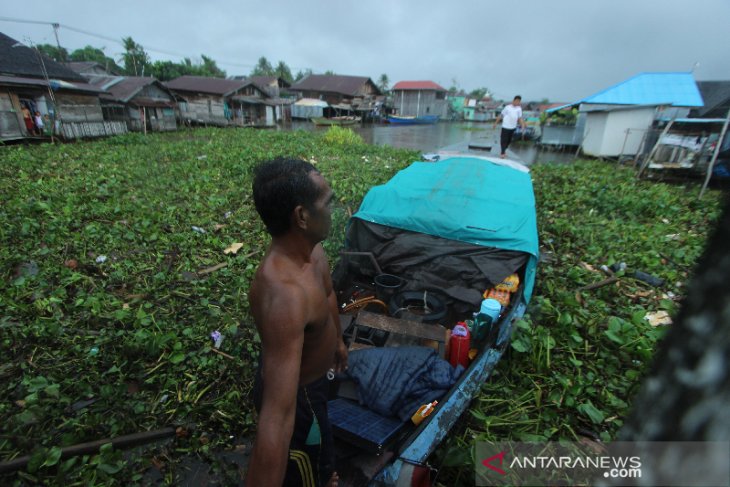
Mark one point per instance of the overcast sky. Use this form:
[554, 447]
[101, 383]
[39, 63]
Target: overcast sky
[561, 50]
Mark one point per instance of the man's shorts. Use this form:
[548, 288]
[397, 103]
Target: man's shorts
[311, 450]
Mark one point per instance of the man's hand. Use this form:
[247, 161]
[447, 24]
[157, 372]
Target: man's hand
[341, 357]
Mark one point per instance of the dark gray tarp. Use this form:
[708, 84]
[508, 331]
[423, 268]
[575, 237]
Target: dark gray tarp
[396, 381]
[459, 271]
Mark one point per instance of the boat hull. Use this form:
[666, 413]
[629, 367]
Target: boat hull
[424, 120]
[325, 122]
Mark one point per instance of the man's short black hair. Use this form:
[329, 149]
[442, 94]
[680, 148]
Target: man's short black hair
[279, 186]
[517, 97]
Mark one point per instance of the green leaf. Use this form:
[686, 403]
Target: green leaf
[614, 337]
[592, 412]
[52, 457]
[110, 469]
[519, 346]
[457, 456]
[177, 357]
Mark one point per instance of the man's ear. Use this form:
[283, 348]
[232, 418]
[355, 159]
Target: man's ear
[301, 217]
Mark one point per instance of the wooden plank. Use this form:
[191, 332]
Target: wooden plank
[404, 327]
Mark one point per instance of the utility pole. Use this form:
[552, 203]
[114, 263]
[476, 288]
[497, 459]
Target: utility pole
[56, 113]
[58, 44]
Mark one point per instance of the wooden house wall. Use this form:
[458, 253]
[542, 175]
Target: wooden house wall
[204, 109]
[11, 120]
[78, 108]
[159, 119]
[408, 104]
[154, 92]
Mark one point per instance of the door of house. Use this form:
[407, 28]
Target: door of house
[269, 115]
[9, 123]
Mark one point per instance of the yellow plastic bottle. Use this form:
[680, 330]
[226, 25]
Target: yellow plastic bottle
[422, 412]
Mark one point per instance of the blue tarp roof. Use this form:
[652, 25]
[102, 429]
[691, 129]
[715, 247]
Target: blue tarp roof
[468, 199]
[675, 89]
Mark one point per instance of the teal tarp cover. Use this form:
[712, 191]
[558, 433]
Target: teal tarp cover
[468, 199]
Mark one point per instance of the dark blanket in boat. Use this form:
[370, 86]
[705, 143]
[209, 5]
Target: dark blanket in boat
[396, 381]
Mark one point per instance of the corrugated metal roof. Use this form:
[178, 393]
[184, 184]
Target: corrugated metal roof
[21, 60]
[81, 66]
[203, 84]
[418, 85]
[129, 86]
[676, 89]
[345, 85]
[56, 84]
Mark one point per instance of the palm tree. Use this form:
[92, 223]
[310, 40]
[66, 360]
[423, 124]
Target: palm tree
[383, 83]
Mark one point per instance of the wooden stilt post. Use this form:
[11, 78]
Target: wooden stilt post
[714, 155]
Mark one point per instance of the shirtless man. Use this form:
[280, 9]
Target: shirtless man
[295, 310]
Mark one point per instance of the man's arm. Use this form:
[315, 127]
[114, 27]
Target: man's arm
[341, 352]
[282, 323]
[497, 120]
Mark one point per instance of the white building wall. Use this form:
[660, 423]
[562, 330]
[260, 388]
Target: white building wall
[593, 133]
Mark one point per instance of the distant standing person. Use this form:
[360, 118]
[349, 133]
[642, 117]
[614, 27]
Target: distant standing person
[28, 119]
[38, 123]
[510, 116]
[295, 311]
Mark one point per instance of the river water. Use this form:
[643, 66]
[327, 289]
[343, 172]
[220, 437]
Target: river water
[447, 136]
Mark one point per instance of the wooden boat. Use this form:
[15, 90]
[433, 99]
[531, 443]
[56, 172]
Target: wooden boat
[345, 120]
[422, 120]
[446, 230]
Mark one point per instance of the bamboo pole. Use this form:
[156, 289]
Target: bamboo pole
[711, 166]
[93, 447]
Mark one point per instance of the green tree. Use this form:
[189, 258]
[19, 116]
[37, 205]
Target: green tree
[383, 83]
[454, 86]
[302, 74]
[263, 68]
[96, 55]
[283, 72]
[329, 72]
[208, 67]
[167, 70]
[479, 93]
[53, 52]
[135, 59]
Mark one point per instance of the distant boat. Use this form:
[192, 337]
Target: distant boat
[323, 121]
[422, 120]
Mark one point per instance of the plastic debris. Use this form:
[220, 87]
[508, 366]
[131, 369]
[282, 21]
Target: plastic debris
[27, 269]
[659, 318]
[649, 279]
[101, 259]
[94, 351]
[200, 158]
[198, 229]
[227, 214]
[217, 338]
[233, 248]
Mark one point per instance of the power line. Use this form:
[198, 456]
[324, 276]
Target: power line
[118, 41]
